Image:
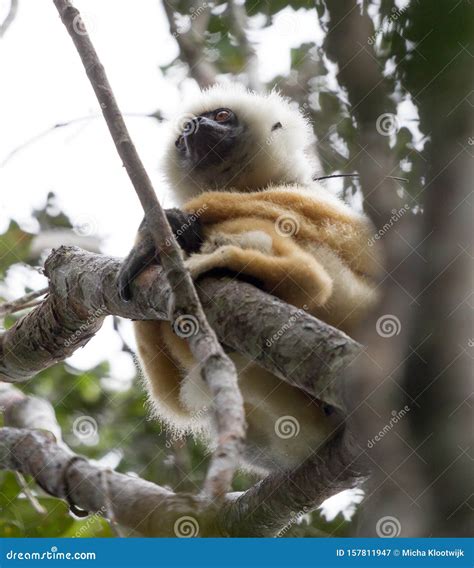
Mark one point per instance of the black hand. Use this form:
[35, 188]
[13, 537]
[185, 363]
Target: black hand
[188, 232]
[142, 255]
[186, 228]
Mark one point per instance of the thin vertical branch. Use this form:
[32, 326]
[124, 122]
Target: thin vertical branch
[8, 20]
[217, 369]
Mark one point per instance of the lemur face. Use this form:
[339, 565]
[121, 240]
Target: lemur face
[237, 140]
[209, 139]
[218, 147]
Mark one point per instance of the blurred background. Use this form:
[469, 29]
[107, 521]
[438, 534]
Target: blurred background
[387, 85]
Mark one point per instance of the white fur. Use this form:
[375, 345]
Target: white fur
[258, 240]
[279, 157]
[274, 158]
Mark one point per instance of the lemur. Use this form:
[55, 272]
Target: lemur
[241, 172]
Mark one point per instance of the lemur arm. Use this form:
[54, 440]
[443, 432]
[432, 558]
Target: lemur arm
[187, 230]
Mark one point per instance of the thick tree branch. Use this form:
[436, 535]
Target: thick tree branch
[149, 509]
[31, 412]
[374, 398]
[266, 507]
[290, 343]
[137, 504]
[217, 369]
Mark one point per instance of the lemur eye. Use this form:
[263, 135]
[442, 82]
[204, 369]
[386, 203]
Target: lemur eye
[179, 142]
[328, 409]
[222, 115]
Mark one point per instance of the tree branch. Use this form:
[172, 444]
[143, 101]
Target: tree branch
[238, 20]
[295, 346]
[149, 509]
[11, 15]
[25, 301]
[264, 509]
[217, 370]
[373, 397]
[191, 43]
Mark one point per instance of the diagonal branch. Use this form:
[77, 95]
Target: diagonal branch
[27, 446]
[191, 43]
[26, 301]
[151, 510]
[217, 370]
[293, 345]
[8, 20]
[238, 21]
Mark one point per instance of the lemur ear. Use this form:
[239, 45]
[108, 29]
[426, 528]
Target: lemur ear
[276, 126]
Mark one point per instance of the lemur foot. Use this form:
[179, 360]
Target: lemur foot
[187, 230]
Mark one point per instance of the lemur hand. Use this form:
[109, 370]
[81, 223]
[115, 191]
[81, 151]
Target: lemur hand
[187, 230]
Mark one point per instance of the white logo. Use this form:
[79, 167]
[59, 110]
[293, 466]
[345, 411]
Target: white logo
[287, 427]
[85, 428]
[388, 326]
[387, 124]
[186, 325]
[388, 527]
[287, 225]
[186, 527]
[186, 124]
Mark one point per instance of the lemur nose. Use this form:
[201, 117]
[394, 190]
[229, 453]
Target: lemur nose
[197, 123]
[201, 133]
[191, 126]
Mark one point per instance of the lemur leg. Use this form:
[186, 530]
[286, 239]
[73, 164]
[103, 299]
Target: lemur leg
[297, 278]
[188, 232]
[161, 355]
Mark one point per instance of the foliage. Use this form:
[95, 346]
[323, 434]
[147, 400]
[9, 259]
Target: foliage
[141, 445]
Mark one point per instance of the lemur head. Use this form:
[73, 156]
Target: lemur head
[229, 138]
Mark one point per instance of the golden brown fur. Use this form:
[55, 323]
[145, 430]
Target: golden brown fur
[325, 267]
[301, 244]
